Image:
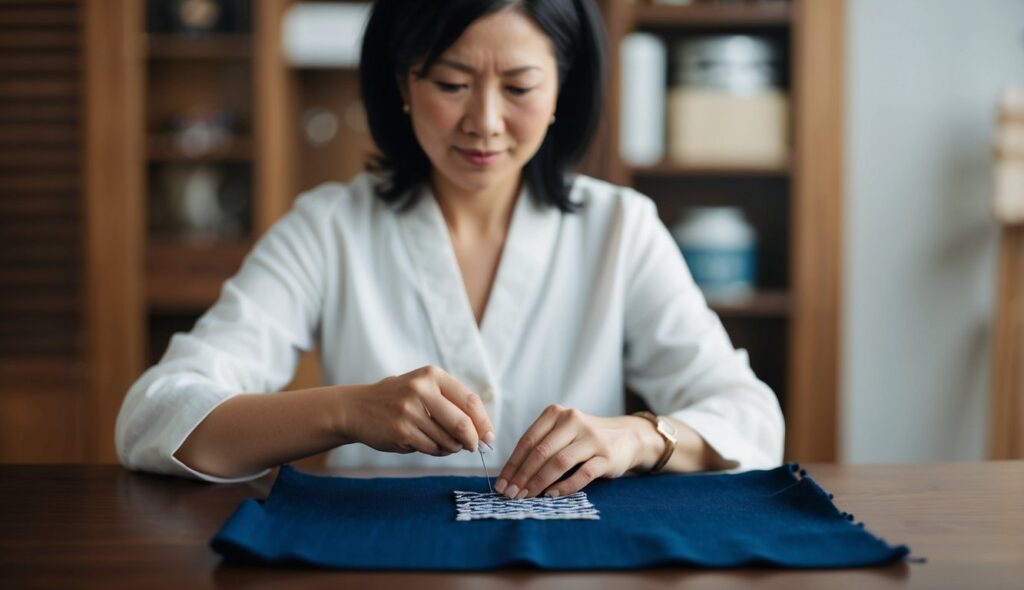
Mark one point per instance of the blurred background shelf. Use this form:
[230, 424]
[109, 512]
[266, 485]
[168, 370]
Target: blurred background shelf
[187, 275]
[233, 46]
[767, 303]
[202, 256]
[164, 148]
[725, 16]
[672, 170]
[182, 293]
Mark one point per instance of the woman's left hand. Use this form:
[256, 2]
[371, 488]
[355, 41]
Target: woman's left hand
[562, 438]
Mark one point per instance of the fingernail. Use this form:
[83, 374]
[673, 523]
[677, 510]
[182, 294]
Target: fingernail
[522, 494]
[500, 485]
[552, 493]
[489, 438]
[511, 492]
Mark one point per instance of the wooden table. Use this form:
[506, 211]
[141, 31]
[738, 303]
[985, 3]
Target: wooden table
[99, 526]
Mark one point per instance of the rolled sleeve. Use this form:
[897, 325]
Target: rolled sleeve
[250, 341]
[159, 414]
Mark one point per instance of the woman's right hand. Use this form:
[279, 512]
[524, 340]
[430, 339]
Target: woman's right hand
[425, 410]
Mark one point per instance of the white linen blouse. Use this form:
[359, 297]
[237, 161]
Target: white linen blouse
[582, 303]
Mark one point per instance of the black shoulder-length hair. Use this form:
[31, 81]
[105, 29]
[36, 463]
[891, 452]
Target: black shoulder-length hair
[403, 32]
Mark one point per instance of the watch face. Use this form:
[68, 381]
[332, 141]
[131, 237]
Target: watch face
[667, 427]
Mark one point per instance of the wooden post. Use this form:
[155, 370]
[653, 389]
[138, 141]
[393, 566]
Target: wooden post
[1007, 411]
[114, 206]
[811, 404]
[274, 117]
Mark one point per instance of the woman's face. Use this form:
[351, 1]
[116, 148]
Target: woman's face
[483, 109]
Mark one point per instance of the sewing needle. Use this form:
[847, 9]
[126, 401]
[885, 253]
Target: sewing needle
[480, 447]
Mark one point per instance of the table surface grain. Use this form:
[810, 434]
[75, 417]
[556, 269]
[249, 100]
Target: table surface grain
[100, 526]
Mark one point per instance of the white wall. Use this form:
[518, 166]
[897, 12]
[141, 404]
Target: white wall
[922, 80]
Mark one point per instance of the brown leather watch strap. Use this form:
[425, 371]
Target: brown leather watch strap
[670, 442]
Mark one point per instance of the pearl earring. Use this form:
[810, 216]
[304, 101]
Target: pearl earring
[552, 120]
[405, 108]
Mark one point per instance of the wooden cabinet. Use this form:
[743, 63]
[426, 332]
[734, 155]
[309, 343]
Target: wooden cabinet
[200, 182]
[43, 304]
[143, 281]
[790, 326]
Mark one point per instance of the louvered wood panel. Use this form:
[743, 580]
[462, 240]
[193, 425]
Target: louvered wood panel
[43, 383]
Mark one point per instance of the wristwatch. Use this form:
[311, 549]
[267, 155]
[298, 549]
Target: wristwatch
[667, 432]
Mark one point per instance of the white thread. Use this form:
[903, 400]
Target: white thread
[477, 506]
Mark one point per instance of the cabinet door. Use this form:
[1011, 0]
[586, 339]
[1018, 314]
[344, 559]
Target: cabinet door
[42, 330]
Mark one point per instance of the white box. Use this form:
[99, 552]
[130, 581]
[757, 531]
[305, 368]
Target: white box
[720, 128]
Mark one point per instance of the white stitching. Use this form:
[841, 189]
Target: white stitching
[477, 506]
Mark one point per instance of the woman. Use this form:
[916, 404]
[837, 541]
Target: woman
[470, 289]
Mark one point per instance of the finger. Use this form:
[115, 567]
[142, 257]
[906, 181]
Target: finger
[588, 472]
[419, 441]
[432, 429]
[534, 434]
[558, 465]
[457, 423]
[550, 448]
[470, 403]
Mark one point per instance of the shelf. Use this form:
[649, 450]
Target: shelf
[713, 15]
[669, 170]
[210, 47]
[187, 275]
[161, 148]
[167, 293]
[770, 303]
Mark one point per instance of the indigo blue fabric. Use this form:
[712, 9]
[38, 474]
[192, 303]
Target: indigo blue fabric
[778, 517]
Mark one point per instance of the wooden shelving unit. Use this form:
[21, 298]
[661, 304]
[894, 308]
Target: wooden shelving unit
[726, 16]
[671, 170]
[164, 46]
[790, 326]
[763, 304]
[195, 256]
[162, 148]
[217, 74]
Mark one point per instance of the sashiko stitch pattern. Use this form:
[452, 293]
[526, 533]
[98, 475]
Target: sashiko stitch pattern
[482, 505]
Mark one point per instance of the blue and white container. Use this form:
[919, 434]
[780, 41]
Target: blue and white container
[720, 247]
